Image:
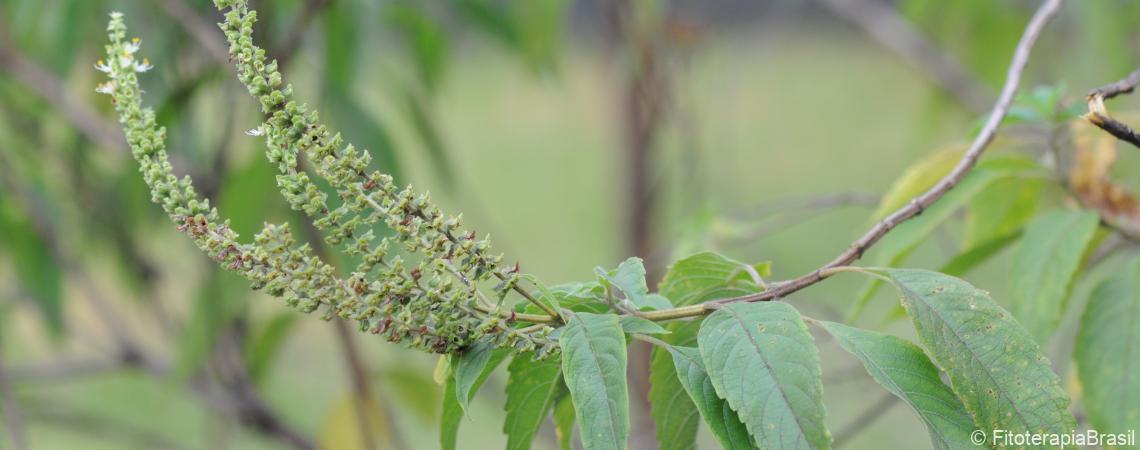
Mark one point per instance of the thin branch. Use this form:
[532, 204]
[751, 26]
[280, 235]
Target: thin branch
[918, 204]
[895, 32]
[49, 86]
[1098, 115]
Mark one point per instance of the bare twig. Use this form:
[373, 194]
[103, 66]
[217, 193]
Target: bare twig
[895, 32]
[49, 86]
[1098, 114]
[918, 204]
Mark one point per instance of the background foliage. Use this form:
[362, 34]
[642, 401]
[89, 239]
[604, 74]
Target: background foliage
[515, 113]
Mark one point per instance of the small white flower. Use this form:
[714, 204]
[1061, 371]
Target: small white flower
[133, 46]
[102, 66]
[254, 132]
[115, 15]
[143, 66]
[105, 88]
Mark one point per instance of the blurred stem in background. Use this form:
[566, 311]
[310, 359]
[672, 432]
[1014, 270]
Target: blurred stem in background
[644, 98]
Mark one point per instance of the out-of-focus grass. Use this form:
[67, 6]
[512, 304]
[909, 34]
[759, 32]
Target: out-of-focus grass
[780, 113]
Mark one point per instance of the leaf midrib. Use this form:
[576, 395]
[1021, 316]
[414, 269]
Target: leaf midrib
[771, 372]
[906, 398]
[602, 374]
[536, 390]
[973, 355]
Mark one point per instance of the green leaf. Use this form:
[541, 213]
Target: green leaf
[1108, 353]
[904, 370]
[917, 179]
[539, 26]
[490, 19]
[629, 278]
[531, 391]
[216, 305]
[577, 296]
[34, 265]
[246, 195]
[721, 419]
[594, 364]
[994, 365]
[1002, 209]
[425, 125]
[897, 245]
[564, 422]
[470, 367]
[634, 324]
[359, 125]
[1044, 264]
[675, 416]
[412, 390]
[693, 279]
[706, 276]
[762, 360]
[342, 428]
[546, 296]
[452, 413]
[424, 39]
[341, 47]
[655, 301]
[966, 261]
[266, 344]
[970, 258]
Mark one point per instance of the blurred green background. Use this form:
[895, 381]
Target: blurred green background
[551, 124]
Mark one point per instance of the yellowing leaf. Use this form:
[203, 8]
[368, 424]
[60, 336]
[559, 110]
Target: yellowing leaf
[341, 430]
[1089, 178]
[918, 178]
